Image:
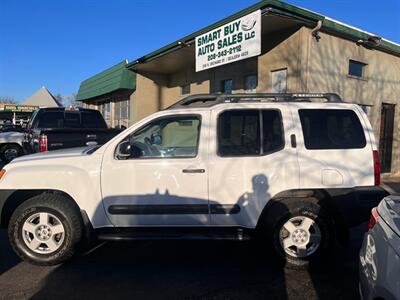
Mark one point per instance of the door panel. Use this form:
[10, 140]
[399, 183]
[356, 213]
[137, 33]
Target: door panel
[333, 147]
[170, 189]
[246, 181]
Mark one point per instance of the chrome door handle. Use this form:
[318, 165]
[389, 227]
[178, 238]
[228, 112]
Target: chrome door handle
[191, 171]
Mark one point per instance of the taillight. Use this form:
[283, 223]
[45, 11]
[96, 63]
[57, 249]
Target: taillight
[377, 168]
[43, 143]
[374, 218]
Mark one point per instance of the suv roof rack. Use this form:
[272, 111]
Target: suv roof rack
[207, 100]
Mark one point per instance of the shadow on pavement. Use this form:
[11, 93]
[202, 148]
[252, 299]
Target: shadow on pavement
[7, 258]
[193, 270]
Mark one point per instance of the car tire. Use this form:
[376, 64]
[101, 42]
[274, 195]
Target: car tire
[46, 229]
[301, 231]
[10, 151]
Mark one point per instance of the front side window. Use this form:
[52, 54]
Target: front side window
[249, 132]
[331, 129]
[172, 137]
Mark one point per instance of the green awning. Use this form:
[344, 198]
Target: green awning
[113, 79]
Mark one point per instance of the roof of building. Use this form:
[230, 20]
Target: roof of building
[118, 77]
[42, 98]
[276, 7]
[115, 78]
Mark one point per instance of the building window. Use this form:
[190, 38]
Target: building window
[356, 68]
[121, 114]
[185, 89]
[226, 86]
[250, 83]
[106, 112]
[279, 81]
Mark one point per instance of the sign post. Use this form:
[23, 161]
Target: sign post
[237, 40]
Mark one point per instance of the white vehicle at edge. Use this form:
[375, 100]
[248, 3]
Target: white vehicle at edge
[11, 145]
[215, 166]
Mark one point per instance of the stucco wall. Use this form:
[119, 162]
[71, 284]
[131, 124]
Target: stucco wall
[328, 72]
[155, 91]
[311, 67]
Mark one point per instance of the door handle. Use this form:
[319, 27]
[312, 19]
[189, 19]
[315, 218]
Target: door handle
[191, 171]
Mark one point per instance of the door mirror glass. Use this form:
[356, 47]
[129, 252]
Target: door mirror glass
[124, 150]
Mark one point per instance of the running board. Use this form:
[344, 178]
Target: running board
[174, 233]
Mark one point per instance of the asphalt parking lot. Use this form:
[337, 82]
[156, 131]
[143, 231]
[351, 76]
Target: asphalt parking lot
[180, 270]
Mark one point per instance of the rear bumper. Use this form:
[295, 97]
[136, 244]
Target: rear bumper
[354, 205]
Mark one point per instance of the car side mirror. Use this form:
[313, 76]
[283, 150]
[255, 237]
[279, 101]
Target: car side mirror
[124, 150]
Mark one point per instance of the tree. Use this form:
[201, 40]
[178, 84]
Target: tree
[59, 97]
[70, 100]
[7, 99]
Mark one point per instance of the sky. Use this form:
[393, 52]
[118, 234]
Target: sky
[60, 43]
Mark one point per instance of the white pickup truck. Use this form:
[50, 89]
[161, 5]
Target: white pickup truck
[294, 170]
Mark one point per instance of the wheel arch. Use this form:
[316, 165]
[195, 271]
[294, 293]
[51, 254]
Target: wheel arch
[320, 197]
[17, 197]
[11, 143]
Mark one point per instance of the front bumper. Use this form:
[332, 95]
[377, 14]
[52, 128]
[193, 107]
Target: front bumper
[4, 196]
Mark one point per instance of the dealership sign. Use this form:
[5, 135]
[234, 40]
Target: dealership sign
[18, 108]
[231, 42]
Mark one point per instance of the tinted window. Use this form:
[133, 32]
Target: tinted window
[239, 133]
[72, 120]
[51, 119]
[272, 131]
[331, 129]
[168, 137]
[92, 120]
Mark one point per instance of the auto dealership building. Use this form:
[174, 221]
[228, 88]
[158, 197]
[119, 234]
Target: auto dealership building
[268, 47]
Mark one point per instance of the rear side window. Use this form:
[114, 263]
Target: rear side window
[239, 133]
[92, 120]
[72, 120]
[331, 129]
[51, 119]
[249, 132]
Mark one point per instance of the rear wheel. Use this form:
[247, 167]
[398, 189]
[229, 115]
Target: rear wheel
[300, 231]
[46, 229]
[9, 152]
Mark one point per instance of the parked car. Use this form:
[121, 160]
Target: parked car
[11, 128]
[58, 128]
[380, 253]
[293, 170]
[11, 145]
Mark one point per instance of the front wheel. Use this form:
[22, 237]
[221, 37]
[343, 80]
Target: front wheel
[45, 230]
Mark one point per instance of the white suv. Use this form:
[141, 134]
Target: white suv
[294, 170]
